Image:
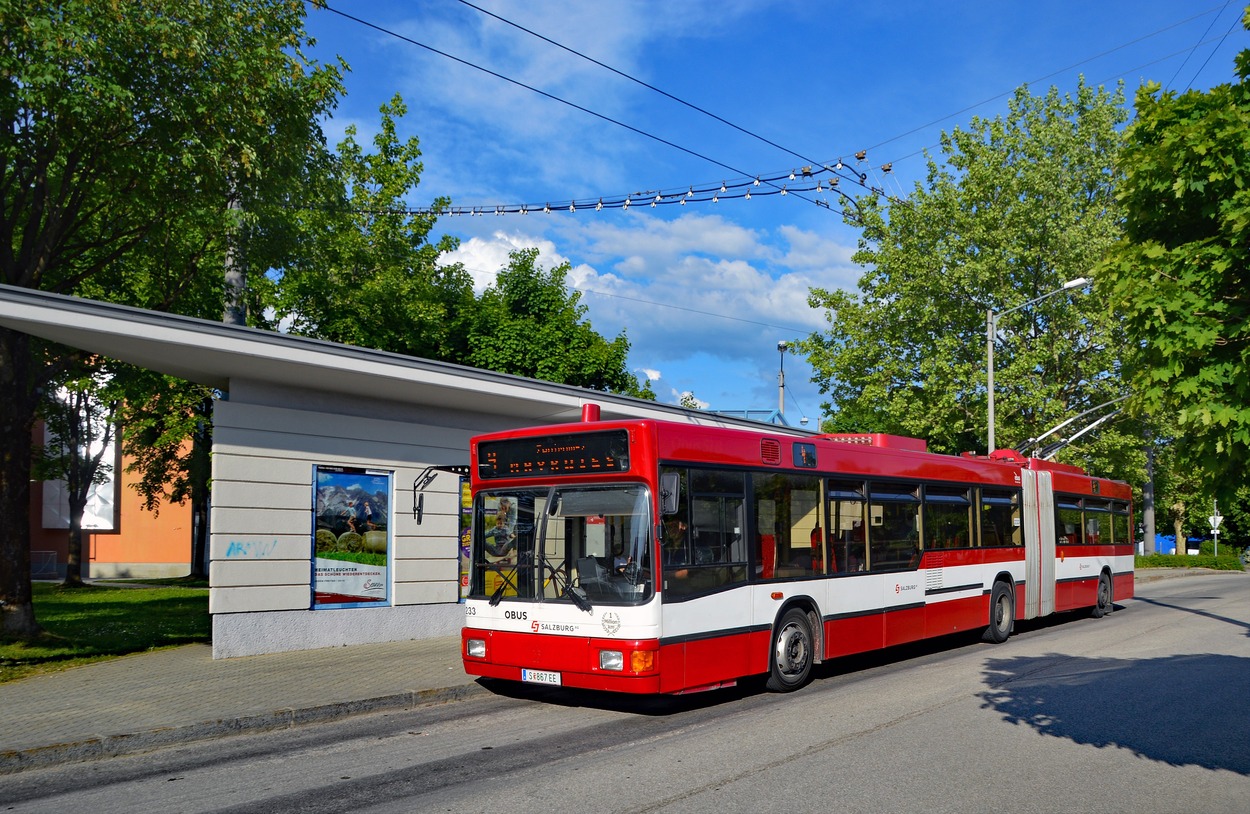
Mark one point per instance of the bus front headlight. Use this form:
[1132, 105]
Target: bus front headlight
[475, 648]
[611, 660]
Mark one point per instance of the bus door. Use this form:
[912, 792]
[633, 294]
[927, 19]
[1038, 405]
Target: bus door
[1039, 544]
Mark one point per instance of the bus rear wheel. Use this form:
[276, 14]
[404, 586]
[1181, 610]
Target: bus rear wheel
[790, 662]
[1002, 612]
[1102, 606]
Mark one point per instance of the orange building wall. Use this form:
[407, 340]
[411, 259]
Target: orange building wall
[143, 545]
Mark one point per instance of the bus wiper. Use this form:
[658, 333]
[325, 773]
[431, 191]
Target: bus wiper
[579, 598]
[506, 583]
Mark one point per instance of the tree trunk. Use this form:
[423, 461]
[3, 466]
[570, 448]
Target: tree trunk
[200, 468]
[1148, 499]
[17, 421]
[73, 557]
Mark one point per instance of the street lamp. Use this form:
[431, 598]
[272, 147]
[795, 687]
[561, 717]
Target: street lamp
[781, 379]
[990, 330]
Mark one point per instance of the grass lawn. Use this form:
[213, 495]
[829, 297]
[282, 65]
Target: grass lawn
[99, 622]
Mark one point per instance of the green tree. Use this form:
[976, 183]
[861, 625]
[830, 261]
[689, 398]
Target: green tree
[529, 324]
[369, 274]
[1180, 278]
[1022, 204]
[130, 133]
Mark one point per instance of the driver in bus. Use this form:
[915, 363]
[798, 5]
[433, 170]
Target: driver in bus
[674, 552]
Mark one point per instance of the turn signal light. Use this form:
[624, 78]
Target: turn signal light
[642, 661]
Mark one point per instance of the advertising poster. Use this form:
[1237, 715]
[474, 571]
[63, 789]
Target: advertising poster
[466, 530]
[351, 538]
[499, 541]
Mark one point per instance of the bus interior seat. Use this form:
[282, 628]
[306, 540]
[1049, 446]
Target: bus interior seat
[590, 572]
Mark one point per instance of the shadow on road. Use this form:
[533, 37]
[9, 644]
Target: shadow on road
[1236, 622]
[1181, 710]
[622, 702]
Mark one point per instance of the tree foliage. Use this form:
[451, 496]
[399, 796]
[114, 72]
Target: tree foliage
[369, 274]
[1022, 204]
[127, 129]
[529, 324]
[1180, 278]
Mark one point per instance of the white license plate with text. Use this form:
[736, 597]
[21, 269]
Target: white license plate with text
[540, 677]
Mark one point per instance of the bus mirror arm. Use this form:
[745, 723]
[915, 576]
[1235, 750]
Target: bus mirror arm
[579, 598]
[670, 488]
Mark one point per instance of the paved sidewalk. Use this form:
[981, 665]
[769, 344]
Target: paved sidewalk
[148, 700]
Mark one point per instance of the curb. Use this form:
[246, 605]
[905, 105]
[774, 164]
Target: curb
[107, 746]
[1155, 574]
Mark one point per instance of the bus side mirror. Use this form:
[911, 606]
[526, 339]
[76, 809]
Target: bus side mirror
[670, 485]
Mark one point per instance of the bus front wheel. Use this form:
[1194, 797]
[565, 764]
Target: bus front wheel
[1002, 612]
[791, 657]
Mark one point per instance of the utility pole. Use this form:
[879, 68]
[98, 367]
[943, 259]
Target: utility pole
[781, 380]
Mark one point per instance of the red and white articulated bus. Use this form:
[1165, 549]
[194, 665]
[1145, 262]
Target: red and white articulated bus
[648, 556]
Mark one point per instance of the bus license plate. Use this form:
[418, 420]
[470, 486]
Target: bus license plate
[540, 677]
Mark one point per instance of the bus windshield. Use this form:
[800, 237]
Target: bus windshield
[582, 544]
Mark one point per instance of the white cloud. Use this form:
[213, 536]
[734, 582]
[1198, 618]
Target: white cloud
[642, 241]
[484, 257]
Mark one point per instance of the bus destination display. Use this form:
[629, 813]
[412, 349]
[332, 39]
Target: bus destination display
[584, 453]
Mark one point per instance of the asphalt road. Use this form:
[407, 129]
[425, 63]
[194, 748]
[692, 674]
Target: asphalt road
[1146, 710]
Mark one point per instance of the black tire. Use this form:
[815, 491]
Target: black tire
[1002, 614]
[1103, 605]
[790, 659]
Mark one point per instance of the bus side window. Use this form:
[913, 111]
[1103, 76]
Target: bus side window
[715, 550]
[1120, 523]
[1000, 517]
[789, 542]
[947, 517]
[847, 524]
[894, 528]
[1068, 524]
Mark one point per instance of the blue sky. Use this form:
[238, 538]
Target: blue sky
[705, 291]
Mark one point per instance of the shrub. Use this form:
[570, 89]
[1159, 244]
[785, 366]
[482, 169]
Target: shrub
[1225, 562]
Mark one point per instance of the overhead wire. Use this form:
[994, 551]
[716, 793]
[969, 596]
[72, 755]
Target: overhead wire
[1207, 61]
[545, 94]
[805, 159]
[1191, 52]
[644, 84]
[704, 193]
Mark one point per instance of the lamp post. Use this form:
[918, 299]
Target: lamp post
[991, 328]
[781, 379]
